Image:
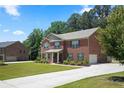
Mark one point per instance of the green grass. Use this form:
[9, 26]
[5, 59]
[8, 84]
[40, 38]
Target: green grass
[27, 69]
[96, 82]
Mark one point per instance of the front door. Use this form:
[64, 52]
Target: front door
[55, 57]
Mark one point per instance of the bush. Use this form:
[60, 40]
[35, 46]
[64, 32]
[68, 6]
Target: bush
[79, 63]
[72, 63]
[85, 62]
[1, 62]
[39, 60]
[66, 62]
[44, 61]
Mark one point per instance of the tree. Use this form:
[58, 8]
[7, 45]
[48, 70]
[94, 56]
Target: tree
[112, 37]
[74, 21]
[58, 27]
[102, 11]
[33, 43]
[88, 20]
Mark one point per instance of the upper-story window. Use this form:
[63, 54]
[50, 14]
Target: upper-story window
[57, 44]
[75, 44]
[46, 45]
[1, 50]
[20, 51]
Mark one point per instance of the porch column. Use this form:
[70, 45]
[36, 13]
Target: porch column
[58, 57]
[52, 57]
[3, 57]
[41, 55]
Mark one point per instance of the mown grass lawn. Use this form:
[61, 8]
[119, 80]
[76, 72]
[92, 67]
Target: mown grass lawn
[27, 69]
[96, 82]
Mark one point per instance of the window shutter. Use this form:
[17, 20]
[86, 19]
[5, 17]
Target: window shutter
[70, 43]
[79, 43]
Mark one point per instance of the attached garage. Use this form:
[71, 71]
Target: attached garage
[92, 59]
[11, 58]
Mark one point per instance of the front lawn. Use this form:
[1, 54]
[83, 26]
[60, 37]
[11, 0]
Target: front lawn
[96, 82]
[27, 69]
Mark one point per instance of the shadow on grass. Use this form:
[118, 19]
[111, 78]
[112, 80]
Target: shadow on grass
[3, 64]
[116, 78]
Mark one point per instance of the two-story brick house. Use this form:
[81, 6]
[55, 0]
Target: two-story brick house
[77, 45]
[13, 51]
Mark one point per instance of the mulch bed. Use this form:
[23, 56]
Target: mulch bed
[117, 78]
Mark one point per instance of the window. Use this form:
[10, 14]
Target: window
[70, 56]
[75, 44]
[20, 51]
[80, 56]
[57, 44]
[1, 50]
[46, 45]
[24, 51]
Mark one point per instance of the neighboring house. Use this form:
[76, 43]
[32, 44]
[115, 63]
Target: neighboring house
[77, 45]
[13, 51]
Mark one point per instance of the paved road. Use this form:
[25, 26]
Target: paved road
[59, 78]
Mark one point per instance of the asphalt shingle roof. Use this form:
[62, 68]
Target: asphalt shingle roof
[5, 44]
[78, 34]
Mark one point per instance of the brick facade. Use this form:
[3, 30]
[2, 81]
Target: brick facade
[87, 46]
[15, 52]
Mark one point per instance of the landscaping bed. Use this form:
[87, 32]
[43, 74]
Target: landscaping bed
[77, 63]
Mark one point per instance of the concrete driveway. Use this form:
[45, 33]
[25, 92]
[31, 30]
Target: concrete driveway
[19, 62]
[59, 78]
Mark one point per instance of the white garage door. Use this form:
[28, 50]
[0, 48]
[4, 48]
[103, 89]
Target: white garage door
[11, 58]
[93, 59]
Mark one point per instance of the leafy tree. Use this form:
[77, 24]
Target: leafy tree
[88, 20]
[33, 43]
[58, 27]
[112, 37]
[74, 21]
[102, 11]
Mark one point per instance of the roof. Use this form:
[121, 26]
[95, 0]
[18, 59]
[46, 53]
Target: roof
[53, 50]
[5, 44]
[77, 35]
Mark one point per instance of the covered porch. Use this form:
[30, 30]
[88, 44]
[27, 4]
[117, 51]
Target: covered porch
[53, 55]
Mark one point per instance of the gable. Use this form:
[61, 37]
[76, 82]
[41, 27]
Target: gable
[53, 38]
[5, 44]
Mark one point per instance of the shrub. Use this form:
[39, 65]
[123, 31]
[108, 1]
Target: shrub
[44, 61]
[1, 62]
[39, 60]
[66, 62]
[85, 62]
[79, 63]
[72, 62]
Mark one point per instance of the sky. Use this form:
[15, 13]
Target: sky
[17, 22]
